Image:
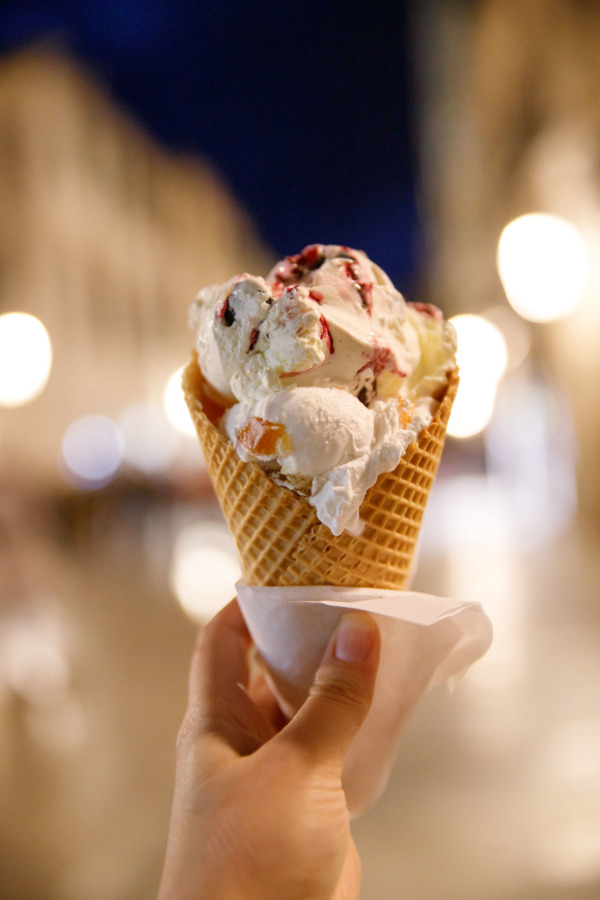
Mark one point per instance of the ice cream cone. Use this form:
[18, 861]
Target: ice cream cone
[279, 537]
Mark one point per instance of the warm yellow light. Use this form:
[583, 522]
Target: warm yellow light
[515, 331]
[150, 444]
[543, 265]
[175, 405]
[25, 358]
[35, 665]
[204, 569]
[482, 358]
[481, 350]
[472, 409]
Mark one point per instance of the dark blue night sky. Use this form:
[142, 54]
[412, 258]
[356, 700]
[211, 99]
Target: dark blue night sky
[305, 108]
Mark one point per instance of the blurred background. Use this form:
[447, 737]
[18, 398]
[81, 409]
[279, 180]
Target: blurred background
[148, 148]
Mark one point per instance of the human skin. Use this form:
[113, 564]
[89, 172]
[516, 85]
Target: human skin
[259, 812]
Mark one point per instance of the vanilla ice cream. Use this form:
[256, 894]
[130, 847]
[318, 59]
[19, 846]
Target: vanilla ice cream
[323, 373]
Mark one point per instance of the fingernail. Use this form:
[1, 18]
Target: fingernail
[354, 638]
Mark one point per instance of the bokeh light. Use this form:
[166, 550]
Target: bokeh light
[25, 358]
[34, 663]
[204, 569]
[175, 405]
[515, 331]
[92, 451]
[150, 444]
[482, 358]
[543, 264]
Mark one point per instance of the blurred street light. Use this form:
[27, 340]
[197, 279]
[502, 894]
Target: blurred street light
[482, 357]
[175, 406]
[25, 358]
[204, 569]
[92, 451]
[543, 265]
[150, 442]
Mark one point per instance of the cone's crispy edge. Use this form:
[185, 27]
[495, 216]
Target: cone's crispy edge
[279, 537]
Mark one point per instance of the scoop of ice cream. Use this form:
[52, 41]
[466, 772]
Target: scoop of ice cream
[292, 416]
[226, 318]
[328, 372]
[437, 345]
[372, 344]
[326, 317]
[327, 441]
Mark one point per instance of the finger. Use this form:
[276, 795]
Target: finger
[220, 660]
[220, 710]
[341, 694]
[261, 694]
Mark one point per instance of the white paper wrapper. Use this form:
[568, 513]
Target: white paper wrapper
[426, 640]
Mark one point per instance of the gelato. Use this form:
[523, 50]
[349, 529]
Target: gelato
[322, 374]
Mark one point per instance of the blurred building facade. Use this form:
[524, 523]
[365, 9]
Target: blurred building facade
[511, 121]
[106, 238]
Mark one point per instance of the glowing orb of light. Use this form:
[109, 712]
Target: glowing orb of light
[150, 444]
[175, 405]
[25, 358]
[204, 569]
[92, 450]
[543, 264]
[482, 358]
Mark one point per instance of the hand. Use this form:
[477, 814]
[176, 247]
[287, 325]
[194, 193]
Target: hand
[259, 812]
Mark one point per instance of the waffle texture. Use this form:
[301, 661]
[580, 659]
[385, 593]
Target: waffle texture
[279, 537]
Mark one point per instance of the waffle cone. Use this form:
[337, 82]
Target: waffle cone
[278, 535]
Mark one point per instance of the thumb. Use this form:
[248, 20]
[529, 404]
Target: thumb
[341, 694]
